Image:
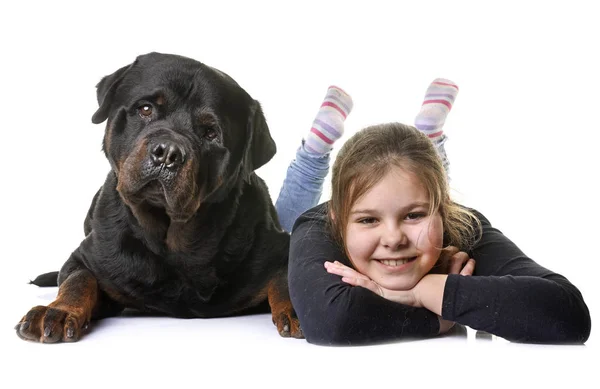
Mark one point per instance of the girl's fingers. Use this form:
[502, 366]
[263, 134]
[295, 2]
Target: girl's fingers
[451, 250]
[352, 277]
[344, 271]
[367, 284]
[446, 258]
[457, 262]
[469, 268]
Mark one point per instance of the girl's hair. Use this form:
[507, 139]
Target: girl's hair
[369, 155]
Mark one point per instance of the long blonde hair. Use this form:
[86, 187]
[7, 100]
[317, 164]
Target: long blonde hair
[370, 154]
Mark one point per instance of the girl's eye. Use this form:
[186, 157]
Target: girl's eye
[210, 134]
[145, 110]
[368, 220]
[415, 215]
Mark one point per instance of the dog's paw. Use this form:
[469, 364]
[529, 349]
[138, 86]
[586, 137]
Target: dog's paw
[50, 325]
[287, 323]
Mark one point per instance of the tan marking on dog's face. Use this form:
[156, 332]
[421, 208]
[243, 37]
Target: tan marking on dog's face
[208, 119]
[185, 196]
[129, 169]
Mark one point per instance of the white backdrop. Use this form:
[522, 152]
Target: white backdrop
[523, 133]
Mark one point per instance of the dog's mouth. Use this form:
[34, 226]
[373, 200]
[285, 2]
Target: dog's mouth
[180, 207]
[167, 174]
[154, 193]
[179, 204]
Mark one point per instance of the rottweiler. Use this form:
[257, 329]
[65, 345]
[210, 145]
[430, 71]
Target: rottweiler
[182, 225]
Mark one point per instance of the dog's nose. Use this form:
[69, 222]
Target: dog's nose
[167, 153]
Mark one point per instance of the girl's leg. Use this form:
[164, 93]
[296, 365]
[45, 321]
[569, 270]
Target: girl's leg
[438, 101]
[303, 184]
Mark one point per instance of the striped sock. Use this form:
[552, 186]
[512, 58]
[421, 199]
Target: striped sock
[430, 120]
[328, 125]
[437, 103]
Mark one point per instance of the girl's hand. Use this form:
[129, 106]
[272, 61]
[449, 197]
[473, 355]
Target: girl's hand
[460, 263]
[352, 277]
[453, 261]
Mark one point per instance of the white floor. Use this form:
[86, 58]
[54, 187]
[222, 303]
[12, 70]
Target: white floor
[165, 352]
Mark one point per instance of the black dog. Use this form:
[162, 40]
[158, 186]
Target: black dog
[182, 225]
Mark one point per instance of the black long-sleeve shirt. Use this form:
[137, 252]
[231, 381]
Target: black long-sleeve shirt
[508, 295]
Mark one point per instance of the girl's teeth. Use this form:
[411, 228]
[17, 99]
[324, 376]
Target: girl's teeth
[394, 263]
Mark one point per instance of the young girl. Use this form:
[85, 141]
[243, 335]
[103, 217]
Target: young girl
[389, 231]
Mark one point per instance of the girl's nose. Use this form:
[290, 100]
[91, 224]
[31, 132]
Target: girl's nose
[393, 237]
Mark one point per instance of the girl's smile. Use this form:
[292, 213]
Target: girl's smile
[396, 265]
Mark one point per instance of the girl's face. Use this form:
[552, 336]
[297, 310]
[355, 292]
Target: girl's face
[390, 236]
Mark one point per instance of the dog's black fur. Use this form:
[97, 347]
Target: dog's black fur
[182, 225]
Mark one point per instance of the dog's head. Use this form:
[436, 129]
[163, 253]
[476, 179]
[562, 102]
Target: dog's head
[179, 133]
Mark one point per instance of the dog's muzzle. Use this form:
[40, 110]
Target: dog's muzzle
[160, 171]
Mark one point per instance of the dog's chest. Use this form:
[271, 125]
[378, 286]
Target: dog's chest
[177, 284]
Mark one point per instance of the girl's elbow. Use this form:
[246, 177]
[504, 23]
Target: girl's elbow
[326, 330]
[575, 325]
[571, 328]
[580, 327]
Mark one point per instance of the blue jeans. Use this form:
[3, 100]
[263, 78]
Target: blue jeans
[439, 146]
[302, 186]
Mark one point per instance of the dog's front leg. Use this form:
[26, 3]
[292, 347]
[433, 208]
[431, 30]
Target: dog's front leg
[66, 318]
[283, 314]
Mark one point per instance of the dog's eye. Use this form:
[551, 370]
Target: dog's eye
[210, 134]
[145, 110]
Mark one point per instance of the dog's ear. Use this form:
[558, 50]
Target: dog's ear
[261, 147]
[105, 92]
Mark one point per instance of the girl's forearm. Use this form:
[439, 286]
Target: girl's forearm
[430, 292]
